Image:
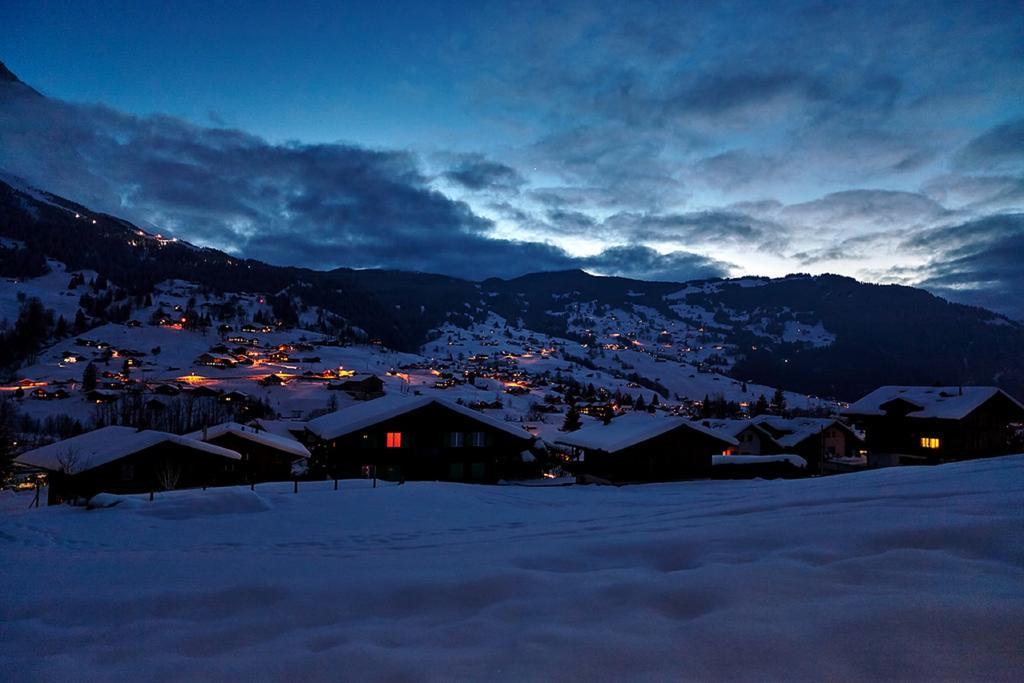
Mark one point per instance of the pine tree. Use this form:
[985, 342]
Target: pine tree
[572, 420]
[761, 406]
[779, 402]
[640, 403]
[89, 377]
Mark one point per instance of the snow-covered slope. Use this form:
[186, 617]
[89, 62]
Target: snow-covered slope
[824, 335]
[909, 573]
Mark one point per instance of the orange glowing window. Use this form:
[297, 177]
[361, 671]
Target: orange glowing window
[929, 442]
[394, 439]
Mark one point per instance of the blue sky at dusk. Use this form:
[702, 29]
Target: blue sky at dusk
[671, 141]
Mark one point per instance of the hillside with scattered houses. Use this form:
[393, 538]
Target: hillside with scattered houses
[828, 336]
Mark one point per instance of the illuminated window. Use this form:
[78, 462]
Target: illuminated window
[394, 440]
[929, 442]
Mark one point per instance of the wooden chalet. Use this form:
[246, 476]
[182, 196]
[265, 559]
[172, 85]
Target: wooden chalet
[817, 440]
[101, 396]
[421, 438]
[265, 456]
[166, 390]
[362, 387]
[203, 392]
[126, 460]
[641, 447]
[926, 425]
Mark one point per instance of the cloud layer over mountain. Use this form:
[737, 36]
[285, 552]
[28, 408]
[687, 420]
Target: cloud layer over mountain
[879, 140]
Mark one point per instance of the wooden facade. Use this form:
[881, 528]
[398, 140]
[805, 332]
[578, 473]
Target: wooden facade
[361, 388]
[899, 437]
[678, 454]
[164, 466]
[835, 440]
[431, 442]
[260, 462]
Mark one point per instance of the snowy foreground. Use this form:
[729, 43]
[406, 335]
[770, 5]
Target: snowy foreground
[899, 573]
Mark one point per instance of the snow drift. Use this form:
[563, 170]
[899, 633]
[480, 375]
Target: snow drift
[912, 573]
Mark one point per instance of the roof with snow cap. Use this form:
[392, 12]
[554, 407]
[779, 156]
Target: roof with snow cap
[348, 420]
[107, 444]
[630, 429]
[256, 435]
[947, 403]
[790, 431]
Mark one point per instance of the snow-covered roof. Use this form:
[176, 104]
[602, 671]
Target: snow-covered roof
[727, 428]
[630, 429]
[253, 434]
[107, 444]
[794, 460]
[348, 420]
[789, 431]
[286, 429]
[785, 431]
[948, 403]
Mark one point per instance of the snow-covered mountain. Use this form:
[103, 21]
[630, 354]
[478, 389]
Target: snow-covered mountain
[824, 336]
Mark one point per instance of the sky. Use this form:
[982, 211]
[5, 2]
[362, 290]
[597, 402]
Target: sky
[672, 141]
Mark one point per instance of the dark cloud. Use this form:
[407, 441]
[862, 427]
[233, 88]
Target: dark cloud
[806, 98]
[984, 194]
[476, 173]
[998, 149]
[724, 94]
[856, 248]
[320, 205]
[647, 264]
[570, 221]
[736, 169]
[977, 262]
[611, 165]
[698, 228]
[859, 211]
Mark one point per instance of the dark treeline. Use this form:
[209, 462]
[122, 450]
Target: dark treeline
[22, 263]
[179, 415]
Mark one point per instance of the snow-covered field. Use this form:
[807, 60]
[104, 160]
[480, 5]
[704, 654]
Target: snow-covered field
[912, 573]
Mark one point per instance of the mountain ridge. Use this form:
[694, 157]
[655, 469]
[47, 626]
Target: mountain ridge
[882, 333]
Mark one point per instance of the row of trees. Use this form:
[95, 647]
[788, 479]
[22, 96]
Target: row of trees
[180, 415]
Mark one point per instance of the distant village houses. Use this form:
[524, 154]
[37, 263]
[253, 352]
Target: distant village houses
[821, 442]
